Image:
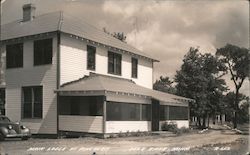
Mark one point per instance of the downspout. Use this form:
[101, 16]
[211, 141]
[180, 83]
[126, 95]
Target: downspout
[58, 69]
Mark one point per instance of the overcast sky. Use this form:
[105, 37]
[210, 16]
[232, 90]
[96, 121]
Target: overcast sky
[164, 29]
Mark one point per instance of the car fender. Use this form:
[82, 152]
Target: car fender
[4, 131]
[26, 131]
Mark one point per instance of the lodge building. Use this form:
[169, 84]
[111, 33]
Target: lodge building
[63, 75]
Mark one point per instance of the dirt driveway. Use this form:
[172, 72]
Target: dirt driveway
[211, 142]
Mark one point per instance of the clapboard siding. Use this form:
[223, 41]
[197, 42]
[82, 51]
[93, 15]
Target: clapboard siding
[30, 75]
[91, 124]
[73, 63]
[127, 126]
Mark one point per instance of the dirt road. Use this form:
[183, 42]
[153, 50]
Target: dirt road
[215, 141]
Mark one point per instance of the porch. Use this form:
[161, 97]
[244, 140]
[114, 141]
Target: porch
[103, 104]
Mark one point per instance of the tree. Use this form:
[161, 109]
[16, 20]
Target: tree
[237, 62]
[199, 78]
[164, 84]
[118, 35]
[228, 106]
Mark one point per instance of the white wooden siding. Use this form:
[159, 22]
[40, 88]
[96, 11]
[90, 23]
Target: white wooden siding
[73, 63]
[124, 126]
[30, 75]
[90, 124]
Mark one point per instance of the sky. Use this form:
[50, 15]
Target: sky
[164, 29]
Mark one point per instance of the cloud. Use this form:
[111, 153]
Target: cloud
[164, 29]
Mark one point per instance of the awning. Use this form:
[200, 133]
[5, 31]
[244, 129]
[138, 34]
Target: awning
[97, 84]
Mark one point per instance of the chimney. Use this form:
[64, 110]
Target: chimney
[28, 12]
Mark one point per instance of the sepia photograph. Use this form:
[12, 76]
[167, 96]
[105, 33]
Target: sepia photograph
[124, 77]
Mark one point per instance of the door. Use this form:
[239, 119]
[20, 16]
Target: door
[155, 115]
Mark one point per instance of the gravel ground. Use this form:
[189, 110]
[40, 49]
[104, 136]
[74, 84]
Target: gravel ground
[211, 142]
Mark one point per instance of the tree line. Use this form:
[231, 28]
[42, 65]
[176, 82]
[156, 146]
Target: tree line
[201, 78]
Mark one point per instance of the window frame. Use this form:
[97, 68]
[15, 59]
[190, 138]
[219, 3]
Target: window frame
[91, 52]
[44, 55]
[134, 60]
[115, 58]
[33, 102]
[10, 66]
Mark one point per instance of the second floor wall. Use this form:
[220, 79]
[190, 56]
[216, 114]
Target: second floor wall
[73, 62]
[23, 69]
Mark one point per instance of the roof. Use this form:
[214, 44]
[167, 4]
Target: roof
[59, 21]
[98, 82]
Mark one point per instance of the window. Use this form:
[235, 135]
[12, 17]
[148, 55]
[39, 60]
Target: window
[134, 67]
[178, 113]
[164, 112]
[114, 63]
[146, 112]
[14, 55]
[42, 52]
[81, 105]
[32, 102]
[173, 113]
[91, 57]
[128, 112]
[2, 101]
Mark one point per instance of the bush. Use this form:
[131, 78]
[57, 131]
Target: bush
[169, 126]
[172, 127]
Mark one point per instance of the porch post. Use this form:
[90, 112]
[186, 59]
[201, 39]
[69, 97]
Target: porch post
[104, 115]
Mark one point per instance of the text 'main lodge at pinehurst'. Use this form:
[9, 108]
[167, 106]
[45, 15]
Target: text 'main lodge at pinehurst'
[63, 75]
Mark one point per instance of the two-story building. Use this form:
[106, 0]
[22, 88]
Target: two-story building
[64, 75]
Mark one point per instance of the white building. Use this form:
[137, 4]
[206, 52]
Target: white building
[64, 75]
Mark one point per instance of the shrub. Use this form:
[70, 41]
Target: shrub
[172, 127]
[169, 126]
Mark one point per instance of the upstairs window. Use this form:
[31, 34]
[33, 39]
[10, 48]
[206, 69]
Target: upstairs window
[43, 52]
[32, 102]
[14, 55]
[114, 63]
[134, 67]
[91, 57]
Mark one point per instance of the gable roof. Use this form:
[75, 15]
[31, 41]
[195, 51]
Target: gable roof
[98, 82]
[59, 21]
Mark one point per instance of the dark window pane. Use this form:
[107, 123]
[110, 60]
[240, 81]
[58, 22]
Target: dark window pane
[114, 63]
[2, 101]
[178, 113]
[75, 108]
[146, 112]
[14, 55]
[27, 105]
[79, 105]
[43, 52]
[32, 102]
[38, 96]
[134, 67]
[123, 111]
[27, 110]
[164, 112]
[118, 64]
[27, 92]
[110, 62]
[91, 57]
